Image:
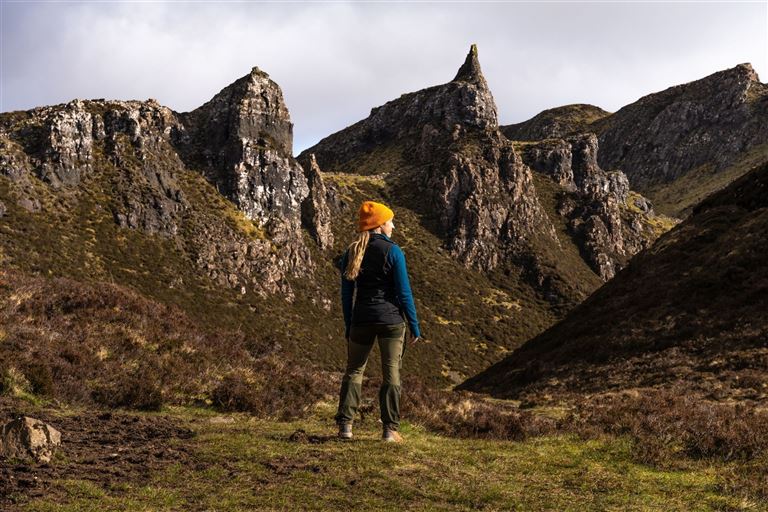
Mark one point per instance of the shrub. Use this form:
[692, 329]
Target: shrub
[141, 390]
[463, 414]
[40, 378]
[665, 424]
[270, 388]
[14, 382]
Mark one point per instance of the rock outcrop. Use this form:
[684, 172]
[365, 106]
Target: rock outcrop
[242, 140]
[27, 437]
[65, 144]
[594, 202]
[465, 102]
[315, 210]
[457, 169]
[139, 159]
[483, 196]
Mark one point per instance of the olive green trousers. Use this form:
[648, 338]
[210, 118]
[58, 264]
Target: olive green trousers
[392, 345]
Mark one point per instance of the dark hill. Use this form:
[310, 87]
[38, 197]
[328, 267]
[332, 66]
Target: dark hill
[690, 310]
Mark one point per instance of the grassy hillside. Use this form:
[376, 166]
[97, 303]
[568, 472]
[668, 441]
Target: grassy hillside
[76, 236]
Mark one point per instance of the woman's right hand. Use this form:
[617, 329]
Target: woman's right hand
[414, 339]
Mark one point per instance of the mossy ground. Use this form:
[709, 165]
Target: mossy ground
[242, 463]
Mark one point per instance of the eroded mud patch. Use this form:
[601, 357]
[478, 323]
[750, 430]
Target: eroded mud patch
[105, 448]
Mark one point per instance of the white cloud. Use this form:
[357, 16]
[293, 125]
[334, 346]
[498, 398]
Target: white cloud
[335, 61]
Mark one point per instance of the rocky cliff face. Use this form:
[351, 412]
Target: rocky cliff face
[459, 171]
[664, 135]
[242, 140]
[608, 221]
[316, 208]
[483, 195]
[142, 158]
[64, 145]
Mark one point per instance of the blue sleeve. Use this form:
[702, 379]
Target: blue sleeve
[347, 291]
[403, 288]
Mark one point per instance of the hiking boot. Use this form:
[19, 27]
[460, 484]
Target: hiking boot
[391, 436]
[345, 431]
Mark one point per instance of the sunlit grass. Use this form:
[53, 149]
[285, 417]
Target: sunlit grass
[251, 464]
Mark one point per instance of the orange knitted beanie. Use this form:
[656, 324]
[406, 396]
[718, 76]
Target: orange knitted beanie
[373, 215]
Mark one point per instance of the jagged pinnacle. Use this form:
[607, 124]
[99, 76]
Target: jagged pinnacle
[748, 70]
[470, 70]
[255, 71]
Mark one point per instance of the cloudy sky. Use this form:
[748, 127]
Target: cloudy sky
[337, 60]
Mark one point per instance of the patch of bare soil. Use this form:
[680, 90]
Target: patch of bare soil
[101, 447]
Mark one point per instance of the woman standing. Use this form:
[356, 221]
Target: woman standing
[373, 266]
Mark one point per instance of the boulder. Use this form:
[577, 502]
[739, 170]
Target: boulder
[27, 437]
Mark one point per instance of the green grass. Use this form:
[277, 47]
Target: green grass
[250, 464]
[658, 224]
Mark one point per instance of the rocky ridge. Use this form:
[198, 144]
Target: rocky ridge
[666, 134]
[141, 155]
[242, 141]
[475, 186]
[555, 122]
[677, 145]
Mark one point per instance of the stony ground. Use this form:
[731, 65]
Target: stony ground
[198, 459]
